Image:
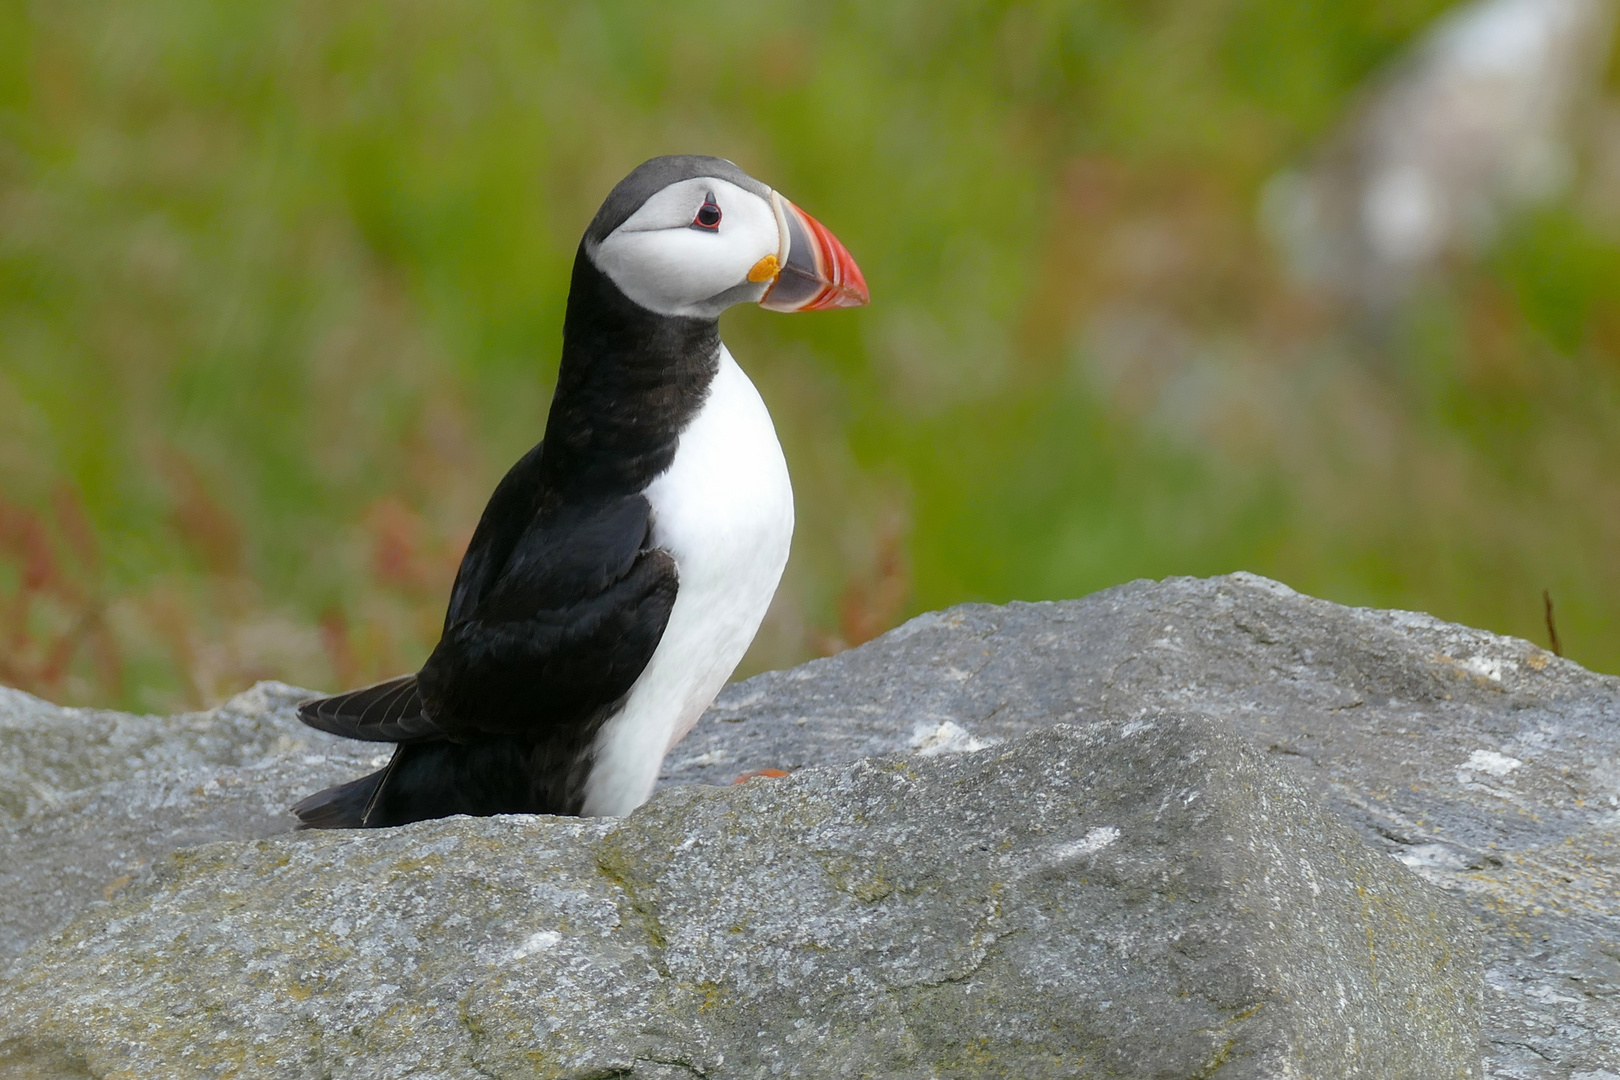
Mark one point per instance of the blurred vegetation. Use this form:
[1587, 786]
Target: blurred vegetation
[281, 286]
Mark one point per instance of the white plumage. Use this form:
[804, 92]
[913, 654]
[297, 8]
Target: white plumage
[724, 511]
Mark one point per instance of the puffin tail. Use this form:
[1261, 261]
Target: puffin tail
[343, 806]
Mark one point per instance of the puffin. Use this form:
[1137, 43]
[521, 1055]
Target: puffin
[622, 567]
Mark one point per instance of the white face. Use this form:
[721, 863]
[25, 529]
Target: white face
[666, 259]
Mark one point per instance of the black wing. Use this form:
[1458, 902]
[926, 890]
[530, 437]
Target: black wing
[506, 517]
[385, 712]
[392, 711]
[564, 630]
[551, 620]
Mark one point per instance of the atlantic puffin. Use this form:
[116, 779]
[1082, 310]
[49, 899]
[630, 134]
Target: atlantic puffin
[622, 566]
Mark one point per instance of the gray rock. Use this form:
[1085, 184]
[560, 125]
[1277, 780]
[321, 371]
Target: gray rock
[48, 752]
[88, 798]
[1144, 898]
[1488, 766]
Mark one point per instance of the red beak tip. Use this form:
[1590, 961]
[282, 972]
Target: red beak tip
[850, 284]
[851, 297]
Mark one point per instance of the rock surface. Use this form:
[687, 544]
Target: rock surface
[1484, 763]
[88, 798]
[1488, 766]
[1145, 898]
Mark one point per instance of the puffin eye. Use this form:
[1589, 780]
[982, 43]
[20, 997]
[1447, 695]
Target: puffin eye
[708, 216]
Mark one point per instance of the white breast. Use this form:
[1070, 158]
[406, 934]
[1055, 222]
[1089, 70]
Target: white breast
[724, 511]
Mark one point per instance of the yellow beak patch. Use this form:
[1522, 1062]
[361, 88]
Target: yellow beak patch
[765, 270]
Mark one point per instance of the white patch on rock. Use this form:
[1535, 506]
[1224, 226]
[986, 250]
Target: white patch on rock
[948, 738]
[539, 941]
[1487, 667]
[1434, 857]
[1094, 841]
[711, 757]
[1489, 761]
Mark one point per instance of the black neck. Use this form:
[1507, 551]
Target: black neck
[629, 382]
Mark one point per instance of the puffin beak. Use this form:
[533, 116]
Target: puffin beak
[812, 271]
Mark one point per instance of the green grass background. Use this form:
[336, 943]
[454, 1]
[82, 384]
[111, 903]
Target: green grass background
[281, 287]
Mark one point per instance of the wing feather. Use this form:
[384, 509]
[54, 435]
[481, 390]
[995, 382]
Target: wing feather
[389, 711]
[559, 668]
[551, 621]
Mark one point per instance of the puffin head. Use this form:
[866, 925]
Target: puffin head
[691, 236]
